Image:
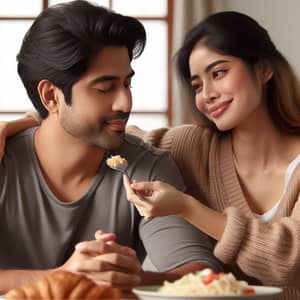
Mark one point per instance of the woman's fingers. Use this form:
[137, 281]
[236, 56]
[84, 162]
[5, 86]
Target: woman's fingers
[132, 196]
[3, 128]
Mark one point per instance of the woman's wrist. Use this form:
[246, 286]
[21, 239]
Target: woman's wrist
[33, 115]
[188, 204]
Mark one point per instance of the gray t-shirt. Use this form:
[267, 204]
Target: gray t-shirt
[38, 231]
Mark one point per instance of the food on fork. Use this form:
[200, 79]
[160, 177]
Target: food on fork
[64, 285]
[116, 160]
[206, 282]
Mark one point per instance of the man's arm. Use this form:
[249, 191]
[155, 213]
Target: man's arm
[156, 278]
[102, 260]
[10, 279]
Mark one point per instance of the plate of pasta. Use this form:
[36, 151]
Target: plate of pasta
[207, 285]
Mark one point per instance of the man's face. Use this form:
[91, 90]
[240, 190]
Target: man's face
[101, 100]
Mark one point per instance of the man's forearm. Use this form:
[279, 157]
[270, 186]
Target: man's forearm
[10, 279]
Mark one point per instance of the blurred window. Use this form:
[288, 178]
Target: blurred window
[150, 86]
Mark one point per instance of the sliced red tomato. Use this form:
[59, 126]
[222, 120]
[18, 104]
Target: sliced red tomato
[248, 291]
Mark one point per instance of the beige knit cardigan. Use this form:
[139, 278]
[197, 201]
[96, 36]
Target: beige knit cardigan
[269, 252]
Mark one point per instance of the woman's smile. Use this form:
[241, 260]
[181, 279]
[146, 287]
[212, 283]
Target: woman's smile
[217, 110]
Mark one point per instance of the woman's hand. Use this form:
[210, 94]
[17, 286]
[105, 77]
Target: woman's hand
[3, 133]
[156, 198]
[11, 128]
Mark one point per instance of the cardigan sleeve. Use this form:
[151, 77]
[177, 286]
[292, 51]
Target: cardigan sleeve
[269, 252]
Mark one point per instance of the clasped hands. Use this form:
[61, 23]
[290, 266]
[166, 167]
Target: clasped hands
[105, 262]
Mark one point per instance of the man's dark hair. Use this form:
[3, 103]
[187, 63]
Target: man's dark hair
[62, 40]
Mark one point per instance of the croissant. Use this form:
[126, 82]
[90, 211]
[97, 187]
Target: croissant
[64, 285]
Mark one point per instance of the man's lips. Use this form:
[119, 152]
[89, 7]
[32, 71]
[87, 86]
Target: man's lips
[116, 125]
[218, 109]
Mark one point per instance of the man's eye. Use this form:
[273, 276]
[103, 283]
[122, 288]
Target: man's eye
[104, 88]
[128, 85]
[104, 91]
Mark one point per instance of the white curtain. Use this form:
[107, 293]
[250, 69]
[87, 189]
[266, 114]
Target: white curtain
[186, 14]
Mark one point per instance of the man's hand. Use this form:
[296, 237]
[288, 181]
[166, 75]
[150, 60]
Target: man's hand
[106, 262]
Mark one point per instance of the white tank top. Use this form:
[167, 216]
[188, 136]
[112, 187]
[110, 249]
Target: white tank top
[266, 217]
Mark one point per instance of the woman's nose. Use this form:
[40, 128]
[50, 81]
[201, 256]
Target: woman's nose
[209, 93]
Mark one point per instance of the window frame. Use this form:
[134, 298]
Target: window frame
[169, 21]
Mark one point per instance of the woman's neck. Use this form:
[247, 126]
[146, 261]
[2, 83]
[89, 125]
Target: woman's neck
[262, 146]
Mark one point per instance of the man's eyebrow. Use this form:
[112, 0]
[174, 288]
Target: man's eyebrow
[110, 77]
[208, 68]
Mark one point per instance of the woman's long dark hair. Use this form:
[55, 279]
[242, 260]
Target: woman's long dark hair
[236, 34]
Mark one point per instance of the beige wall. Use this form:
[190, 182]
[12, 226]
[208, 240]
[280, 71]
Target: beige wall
[280, 17]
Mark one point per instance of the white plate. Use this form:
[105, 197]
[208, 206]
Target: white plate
[262, 293]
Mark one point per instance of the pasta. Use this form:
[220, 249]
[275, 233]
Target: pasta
[206, 282]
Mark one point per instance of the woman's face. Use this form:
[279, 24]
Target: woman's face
[226, 91]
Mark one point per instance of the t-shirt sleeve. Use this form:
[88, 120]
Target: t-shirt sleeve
[171, 241]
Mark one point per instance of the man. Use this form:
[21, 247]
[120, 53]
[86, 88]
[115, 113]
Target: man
[57, 194]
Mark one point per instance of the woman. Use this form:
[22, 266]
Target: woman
[242, 166]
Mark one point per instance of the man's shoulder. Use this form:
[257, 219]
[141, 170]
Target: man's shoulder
[138, 144]
[149, 163]
[19, 147]
[20, 137]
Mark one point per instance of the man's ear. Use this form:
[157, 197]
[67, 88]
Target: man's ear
[265, 70]
[49, 95]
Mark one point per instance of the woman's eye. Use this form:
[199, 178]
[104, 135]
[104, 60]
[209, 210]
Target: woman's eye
[218, 73]
[196, 88]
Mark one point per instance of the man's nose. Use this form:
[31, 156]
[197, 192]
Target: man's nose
[123, 101]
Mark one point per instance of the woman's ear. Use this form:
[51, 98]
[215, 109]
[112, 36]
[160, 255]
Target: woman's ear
[265, 70]
[49, 95]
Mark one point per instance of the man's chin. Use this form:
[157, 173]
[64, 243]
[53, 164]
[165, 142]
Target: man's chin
[111, 142]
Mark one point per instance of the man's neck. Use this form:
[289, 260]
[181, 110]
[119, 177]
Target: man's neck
[68, 165]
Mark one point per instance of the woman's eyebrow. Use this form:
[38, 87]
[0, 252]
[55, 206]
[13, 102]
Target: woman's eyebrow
[213, 64]
[208, 68]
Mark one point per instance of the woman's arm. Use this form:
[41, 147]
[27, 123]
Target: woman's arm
[10, 128]
[163, 199]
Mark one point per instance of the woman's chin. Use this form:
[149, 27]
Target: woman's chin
[223, 127]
